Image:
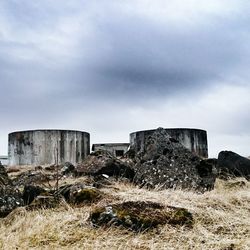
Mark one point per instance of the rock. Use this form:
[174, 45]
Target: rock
[14, 169]
[235, 184]
[68, 168]
[232, 164]
[101, 181]
[102, 162]
[52, 168]
[4, 179]
[38, 168]
[32, 178]
[31, 192]
[43, 202]
[140, 216]
[80, 193]
[166, 163]
[10, 198]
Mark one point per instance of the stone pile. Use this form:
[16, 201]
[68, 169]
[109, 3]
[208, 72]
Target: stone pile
[102, 162]
[166, 163]
[10, 197]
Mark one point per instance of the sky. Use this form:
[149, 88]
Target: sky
[113, 67]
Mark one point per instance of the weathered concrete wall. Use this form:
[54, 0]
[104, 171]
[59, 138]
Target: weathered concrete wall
[115, 149]
[193, 139]
[40, 147]
[4, 160]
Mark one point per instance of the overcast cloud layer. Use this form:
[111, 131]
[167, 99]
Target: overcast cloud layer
[114, 67]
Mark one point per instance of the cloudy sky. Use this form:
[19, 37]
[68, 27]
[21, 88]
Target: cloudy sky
[112, 67]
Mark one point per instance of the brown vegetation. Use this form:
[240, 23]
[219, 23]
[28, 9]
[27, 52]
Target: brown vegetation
[221, 221]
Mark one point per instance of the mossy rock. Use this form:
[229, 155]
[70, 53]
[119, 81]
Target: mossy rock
[235, 184]
[43, 202]
[86, 195]
[79, 193]
[140, 216]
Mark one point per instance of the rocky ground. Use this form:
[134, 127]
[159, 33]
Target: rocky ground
[219, 220]
[162, 198]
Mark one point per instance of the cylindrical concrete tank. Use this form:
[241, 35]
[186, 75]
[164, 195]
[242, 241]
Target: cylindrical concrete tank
[41, 147]
[193, 139]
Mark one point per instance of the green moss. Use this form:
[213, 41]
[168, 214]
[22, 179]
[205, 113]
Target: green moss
[140, 216]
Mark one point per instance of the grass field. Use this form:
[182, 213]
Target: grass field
[222, 221]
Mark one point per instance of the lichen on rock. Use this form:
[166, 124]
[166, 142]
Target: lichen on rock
[140, 216]
[43, 202]
[165, 163]
[80, 193]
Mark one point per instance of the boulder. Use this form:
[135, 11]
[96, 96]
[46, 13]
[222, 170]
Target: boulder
[43, 202]
[4, 179]
[32, 178]
[232, 164]
[79, 193]
[102, 162]
[166, 163]
[68, 168]
[102, 181]
[31, 192]
[140, 215]
[10, 198]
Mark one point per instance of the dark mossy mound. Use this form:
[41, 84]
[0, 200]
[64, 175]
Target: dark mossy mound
[80, 193]
[140, 216]
[10, 198]
[43, 202]
[4, 179]
[87, 195]
[31, 192]
[102, 162]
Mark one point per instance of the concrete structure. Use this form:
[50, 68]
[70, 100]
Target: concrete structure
[4, 160]
[41, 147]
[116, 149]
[193, 139]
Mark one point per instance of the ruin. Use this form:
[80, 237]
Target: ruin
[4, 160]
[166, 163]
[116, 149]
[193, 139]
[41, 147]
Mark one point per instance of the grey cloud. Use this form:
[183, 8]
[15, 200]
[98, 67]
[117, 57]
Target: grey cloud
[83, 59]
[143, 57]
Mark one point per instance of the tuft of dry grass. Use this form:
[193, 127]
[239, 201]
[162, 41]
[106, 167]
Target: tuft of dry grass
[222, 221]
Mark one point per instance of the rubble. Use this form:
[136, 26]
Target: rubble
[102, 162]
[67, 168]
[31, 192]
[4, 179]
[10, 198]
[32, 178]
[165, 163]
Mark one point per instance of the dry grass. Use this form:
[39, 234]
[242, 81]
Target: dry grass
[222, 221]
